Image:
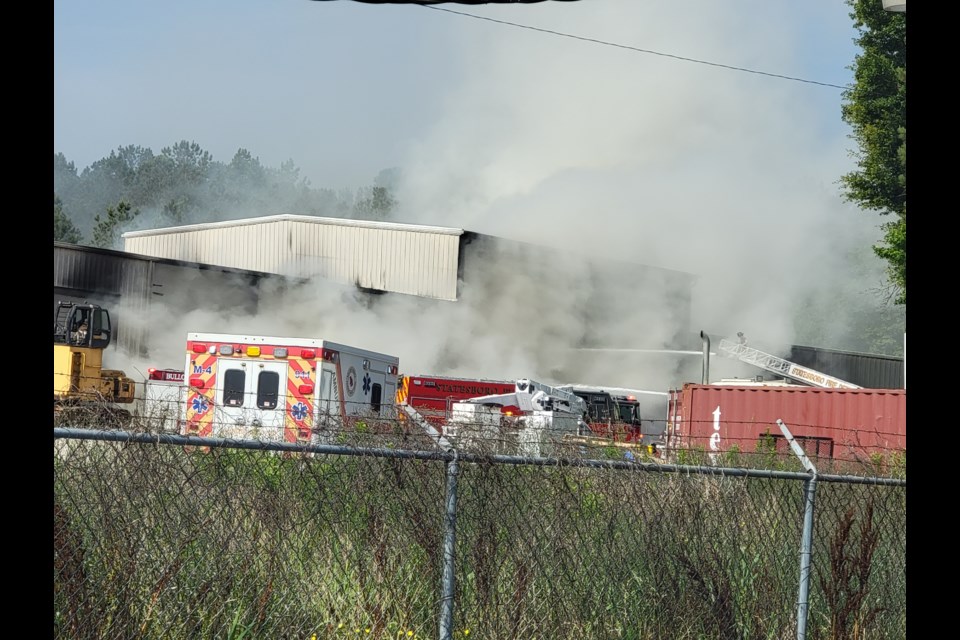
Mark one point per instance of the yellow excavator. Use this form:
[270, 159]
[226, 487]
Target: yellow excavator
[83, 391]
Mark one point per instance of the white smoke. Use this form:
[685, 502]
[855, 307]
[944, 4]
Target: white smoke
[613, 154]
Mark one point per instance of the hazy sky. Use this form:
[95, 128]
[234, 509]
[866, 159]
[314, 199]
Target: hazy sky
[510, 131]
[346, 89]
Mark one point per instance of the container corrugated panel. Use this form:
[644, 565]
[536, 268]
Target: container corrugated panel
[839, 423]
[866, 370]
[413, 259]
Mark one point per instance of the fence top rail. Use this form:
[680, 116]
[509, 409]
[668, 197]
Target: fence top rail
[69, 433]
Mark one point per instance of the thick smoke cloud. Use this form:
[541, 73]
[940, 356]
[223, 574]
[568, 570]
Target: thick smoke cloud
[727, 175]
[599, 152]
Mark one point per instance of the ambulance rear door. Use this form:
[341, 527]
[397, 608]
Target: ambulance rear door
[250, 399]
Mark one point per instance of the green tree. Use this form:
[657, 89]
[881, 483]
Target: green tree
[377, 204]
[65, 179]
[106, 231]
[246, 170]
[63, 228]
[875, 107]
[104, 183]
[189, 160]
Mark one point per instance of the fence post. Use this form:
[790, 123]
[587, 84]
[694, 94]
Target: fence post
[449, 542]
[806, 541]
[810, 490]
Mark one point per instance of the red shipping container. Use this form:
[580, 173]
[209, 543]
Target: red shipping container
[845, 424]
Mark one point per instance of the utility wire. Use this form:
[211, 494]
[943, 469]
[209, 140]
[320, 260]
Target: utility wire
[623, 46]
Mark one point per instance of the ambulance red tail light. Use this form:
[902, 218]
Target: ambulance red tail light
[199, 347]
[309, 354]
[197, 382]
[305, 389]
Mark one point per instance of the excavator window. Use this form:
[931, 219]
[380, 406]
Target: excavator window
[79, 327]
[100, 327]
[84, 325]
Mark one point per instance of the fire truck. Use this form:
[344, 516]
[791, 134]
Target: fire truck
[532, 420]
[433, 396]
[297, 390]
[441, 405]
[609, 415]
[164, 400]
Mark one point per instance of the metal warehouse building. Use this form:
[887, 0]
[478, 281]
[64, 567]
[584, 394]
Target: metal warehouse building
[381, 256]
[223, 265]
[611, 297]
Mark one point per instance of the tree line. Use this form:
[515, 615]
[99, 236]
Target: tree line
[134, 188]
[875, 107]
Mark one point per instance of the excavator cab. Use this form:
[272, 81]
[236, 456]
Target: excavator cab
[82, 325]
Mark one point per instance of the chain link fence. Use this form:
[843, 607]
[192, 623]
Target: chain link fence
[163, 536]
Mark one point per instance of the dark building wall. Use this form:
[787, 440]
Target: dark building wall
[611, 303]
[130, 286]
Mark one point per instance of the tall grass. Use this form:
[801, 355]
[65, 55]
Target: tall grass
[152, 541]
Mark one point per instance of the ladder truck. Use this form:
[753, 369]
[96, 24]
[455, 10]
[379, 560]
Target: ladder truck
[532, 420]
[740, 351]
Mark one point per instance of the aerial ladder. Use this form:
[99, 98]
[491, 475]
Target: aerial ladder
[739, 350]
[549, 398]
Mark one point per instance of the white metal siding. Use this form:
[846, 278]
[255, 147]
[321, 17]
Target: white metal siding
[392, 257]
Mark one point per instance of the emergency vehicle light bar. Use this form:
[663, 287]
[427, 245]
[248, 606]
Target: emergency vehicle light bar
[169, 375]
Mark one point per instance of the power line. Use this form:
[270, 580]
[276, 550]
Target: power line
[623, 46]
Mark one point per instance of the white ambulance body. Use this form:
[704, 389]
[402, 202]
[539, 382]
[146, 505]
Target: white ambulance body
[297, 390]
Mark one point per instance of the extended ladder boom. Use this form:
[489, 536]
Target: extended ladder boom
[552, 398]
[782, 367]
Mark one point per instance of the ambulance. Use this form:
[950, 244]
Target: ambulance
[295, 390]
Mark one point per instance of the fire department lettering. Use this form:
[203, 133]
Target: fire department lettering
[305, 375]
[198, 369]
[478, 389]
